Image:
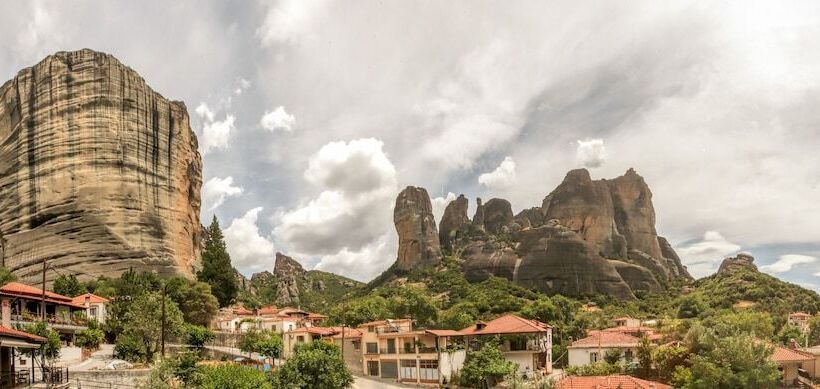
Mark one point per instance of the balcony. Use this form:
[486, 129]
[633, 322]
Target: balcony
[54, 321]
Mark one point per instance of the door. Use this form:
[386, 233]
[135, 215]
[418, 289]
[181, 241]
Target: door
[390, 369]
[373, 368]
[391, 346]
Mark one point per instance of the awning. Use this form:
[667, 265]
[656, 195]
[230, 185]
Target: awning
[5, 342]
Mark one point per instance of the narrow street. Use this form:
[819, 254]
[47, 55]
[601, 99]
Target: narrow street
[368, 383]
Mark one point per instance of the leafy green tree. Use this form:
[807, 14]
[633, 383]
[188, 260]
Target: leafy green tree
[143, 325]
[543, 310]
[123, 291]
[483, 368]
[198, 305]
[265, 343]
[6, 276]
[730, 362]
[216, 266]
[361, 310]
[613, 356]
[197, 336]
[415, 303]
[461, 315]
[51, 348]
[231, 376]
[600, 368]
[754, 323]
[814, 330]
[68, 285]
[644, 356]
[89, 339]
[667, 359]
[314, 365]
[691, 306]
[789, 333]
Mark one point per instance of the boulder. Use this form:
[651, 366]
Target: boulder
[416, 227]
[634, 213]
[497, 215]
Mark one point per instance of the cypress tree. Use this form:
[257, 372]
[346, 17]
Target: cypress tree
[216, 266]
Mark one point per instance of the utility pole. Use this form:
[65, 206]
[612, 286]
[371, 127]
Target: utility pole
[343, 342]
[43, 301]
[164, 291]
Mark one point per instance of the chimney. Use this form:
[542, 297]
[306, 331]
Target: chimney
[793, 344]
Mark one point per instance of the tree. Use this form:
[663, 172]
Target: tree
[415, 303]
[599, 368]
[542, 310]
[216, 266]
[51, 348]
[730, 362]
[265, 343]
[644, 355]
[195, 300]
[789, 333]
[758, 324]
[485, 367]
[667, 359]
[314, 365]
[691, 306]
[123, 291]
[231, 376]
[362, 310]
[142, 332]
[68, 285]
[6, 276]
[89, 339]
[459, 316]
[613, 356]
[197, 336]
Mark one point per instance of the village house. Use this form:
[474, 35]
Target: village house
[393, 349]
[238, 319]
[15, 343]
[799, 320]
[626, 321]
[594, 347]
[347, 339]
[608, 382]
[792, 362]
[21, 305]
[525, 342]
[95, 306]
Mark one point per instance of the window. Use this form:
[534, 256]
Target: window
[593, 357]
[93, 312]
[357, 345]
[408, 368]
[408, 348]
[371, 328]
[300, 339]
[628, 355]
[428, 370]
[391, 346]
[518, 344]
[372, 348]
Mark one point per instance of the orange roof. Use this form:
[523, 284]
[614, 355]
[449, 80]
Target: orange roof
[799, 314]
[384, 322]
[12, 333]
[622, 318]
[323, 331]
[507, 324]
[606, 339]
[609, 382]
[316, 316]
[92, 298]
[627, 329]
[444, 332]
[16, 289]
[349, 333]
[271, 310]
[784, 354]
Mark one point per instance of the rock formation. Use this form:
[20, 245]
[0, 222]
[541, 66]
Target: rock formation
[286, 271]
[588, 237]
[418, 239]
[738, 262]
[98, 172]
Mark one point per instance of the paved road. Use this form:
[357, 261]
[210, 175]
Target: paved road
[367, 383]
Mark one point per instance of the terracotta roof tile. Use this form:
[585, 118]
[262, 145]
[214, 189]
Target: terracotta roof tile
[16, 289]
[92, 298]
[507, 324]
[12, 333]
[607, 339]
[784, 354]
[444, 332]
[609, 382]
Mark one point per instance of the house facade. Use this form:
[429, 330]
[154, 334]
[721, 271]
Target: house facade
[594, 347]
[238, 319]
[525, 342]
[799, 320]
[21, 305]
[14, 343]
[95, 306]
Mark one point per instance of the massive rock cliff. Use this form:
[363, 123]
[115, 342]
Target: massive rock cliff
[588, 237]
[98, 172]
[418, 239]
[286, 272]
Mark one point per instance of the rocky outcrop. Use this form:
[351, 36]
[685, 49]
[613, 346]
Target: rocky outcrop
[738, 262]
[286, 272]
[98, 172]
[674, 263]
[634, 213]
[416, 226]
[497, 216]
[453, 221]
[478, 217]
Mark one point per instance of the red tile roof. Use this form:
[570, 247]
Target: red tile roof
[323, 331]
[384, 322]
[16, 289]
[799, 314]
[351, 333]
[12, 333]
[507, 324]
[608, 339]
[92, 298]
[609, 382]
[784, 354]
[444, 332]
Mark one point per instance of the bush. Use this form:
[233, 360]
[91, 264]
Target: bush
[594, 369]
[89, 339]
[51, 348]
[313, 365]
[485, 367]
[231, 376]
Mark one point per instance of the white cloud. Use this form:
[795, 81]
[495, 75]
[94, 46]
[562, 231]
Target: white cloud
[287, 20]
[503, 177]
[243, 86]
[278, 119]
[365, 263]
[358, 184]
[249, 250]
[591, 153]
[440, 203]
[215, 133]
[215, 190]
[41, 32]
[703, 256]
[786, 262]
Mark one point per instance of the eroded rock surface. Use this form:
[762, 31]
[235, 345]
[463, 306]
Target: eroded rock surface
[285, 272]
[418, 238]
[740, 261]
[453, 221]
[98, 172]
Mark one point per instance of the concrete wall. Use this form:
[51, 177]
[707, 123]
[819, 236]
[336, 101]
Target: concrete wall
[580, 356]
[98, 378]
[451, 362]
[524, 360]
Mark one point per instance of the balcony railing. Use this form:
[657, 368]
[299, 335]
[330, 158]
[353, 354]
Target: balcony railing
[54, 320]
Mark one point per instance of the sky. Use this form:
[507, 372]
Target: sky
[313, 114]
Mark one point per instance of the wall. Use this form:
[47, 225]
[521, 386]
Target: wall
[100, 378]
[451, 362]
[580, 356]
[522, 358]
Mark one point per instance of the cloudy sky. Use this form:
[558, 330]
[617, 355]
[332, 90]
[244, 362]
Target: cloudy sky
[311, 115]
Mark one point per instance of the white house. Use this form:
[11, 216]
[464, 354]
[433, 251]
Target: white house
[95, 306]
[594, 347]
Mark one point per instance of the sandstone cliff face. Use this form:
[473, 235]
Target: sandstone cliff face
[98, 173]
[286, 271]
[454, 220]
[418, 239]
[497, 215]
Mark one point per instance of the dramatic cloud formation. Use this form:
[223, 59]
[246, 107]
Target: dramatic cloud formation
[249, 250]
[503, 177]
[215, 190]
[364, 264]
[215, 133]
[353, 210]
[787, 262]
[591, 153]
[703, 256]
[287, 20]
[277, 119]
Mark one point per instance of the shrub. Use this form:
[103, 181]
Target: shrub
[231, 376]
[485, 367]
[89, 339]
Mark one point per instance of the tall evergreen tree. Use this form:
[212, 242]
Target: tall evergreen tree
[216, 266]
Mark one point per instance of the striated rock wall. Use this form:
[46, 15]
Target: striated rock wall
[418, 238]
[454, 220]
[98, 173]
